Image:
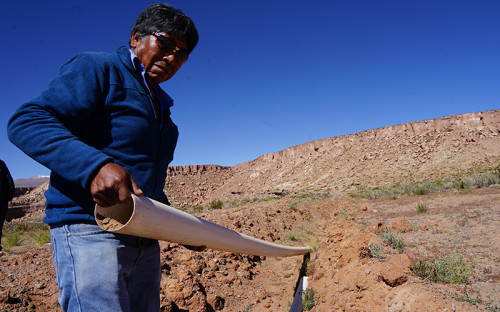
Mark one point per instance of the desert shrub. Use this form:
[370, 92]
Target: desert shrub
[11, 240]
[307, 300]
[421, 208]
[492, 304]
[215, 204]
[375, 250]
[25, 226]
[468, 297]
[343, 214]
[232, 203]
[14, 233]
[191, 209]
[293, 207]
[311, 196]
[315, 245]
[373, 193]
[291, 236]
[294, 236]
[482, 180]
[448, 269]
[460, 184]
[41, 238]
[465, 181]
[392, 239]
[197, 208]
[420, 191]
[270, 198]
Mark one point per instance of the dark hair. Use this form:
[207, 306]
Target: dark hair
[161, 17]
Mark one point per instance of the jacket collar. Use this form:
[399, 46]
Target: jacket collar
[124, 56]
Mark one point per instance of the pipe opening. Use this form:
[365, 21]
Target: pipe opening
[115, 217]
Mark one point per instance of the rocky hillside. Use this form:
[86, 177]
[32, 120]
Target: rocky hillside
[411, 152]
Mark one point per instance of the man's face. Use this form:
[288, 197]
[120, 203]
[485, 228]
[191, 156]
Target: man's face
[161, 62]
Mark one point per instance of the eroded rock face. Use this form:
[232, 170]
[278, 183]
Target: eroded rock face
[195, 169]
[415, 151]
[34, 197]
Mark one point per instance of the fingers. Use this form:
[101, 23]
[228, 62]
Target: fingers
[135, 187]
[105, 199]
[123, 194]
[112, 185]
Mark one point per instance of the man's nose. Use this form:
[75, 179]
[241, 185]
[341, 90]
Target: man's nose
[170, 57]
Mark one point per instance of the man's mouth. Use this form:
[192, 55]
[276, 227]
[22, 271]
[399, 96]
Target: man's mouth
[163, 67]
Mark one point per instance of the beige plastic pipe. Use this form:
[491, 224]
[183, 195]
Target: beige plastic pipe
[148, 218]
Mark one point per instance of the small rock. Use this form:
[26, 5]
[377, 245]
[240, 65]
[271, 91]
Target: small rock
[364, 207]
[268, 303]
[39, 286]
[368, 271]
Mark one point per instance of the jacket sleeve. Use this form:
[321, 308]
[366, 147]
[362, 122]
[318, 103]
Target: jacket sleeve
[44, 127]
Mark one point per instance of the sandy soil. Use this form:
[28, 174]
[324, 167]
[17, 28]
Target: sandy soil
[343, 274]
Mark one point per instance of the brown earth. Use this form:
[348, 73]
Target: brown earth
[300, 196]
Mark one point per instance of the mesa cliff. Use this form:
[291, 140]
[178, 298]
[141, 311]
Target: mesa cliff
[411, 152]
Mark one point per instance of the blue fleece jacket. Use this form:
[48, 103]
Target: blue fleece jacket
[96, 111]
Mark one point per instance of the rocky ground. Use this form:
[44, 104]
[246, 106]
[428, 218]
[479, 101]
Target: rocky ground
[344, 274]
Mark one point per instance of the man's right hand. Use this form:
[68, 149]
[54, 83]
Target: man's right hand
[112, 185]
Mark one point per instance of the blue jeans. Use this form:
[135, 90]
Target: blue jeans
[101, 271]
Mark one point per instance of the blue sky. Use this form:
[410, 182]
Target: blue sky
[267, 75]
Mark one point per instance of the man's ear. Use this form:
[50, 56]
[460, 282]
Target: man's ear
[134, 39]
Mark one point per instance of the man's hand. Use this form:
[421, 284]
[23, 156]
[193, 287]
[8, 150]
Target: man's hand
[112, 185]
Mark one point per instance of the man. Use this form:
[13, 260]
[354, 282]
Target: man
[103, 128]
[7, 191]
